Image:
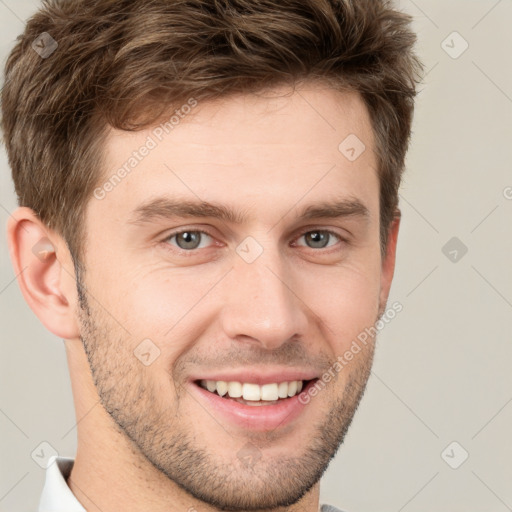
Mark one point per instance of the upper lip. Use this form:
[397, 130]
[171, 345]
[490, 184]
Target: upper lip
[251, 375]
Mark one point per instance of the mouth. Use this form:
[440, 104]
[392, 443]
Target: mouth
[252, 394]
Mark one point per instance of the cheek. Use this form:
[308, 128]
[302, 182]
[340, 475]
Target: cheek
[162, 306]
[347, 301]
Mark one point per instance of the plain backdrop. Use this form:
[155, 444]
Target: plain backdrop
[433, 430]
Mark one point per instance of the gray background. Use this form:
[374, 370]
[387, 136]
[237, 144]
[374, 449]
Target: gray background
[442, 366]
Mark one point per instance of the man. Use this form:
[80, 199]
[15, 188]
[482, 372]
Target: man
[208, 218]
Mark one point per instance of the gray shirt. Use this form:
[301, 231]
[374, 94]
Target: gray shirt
[329, 508]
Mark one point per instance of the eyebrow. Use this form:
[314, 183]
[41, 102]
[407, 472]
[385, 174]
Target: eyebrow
[167, 207]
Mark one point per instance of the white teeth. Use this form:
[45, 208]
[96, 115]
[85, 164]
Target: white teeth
[253, 392]
[234, 389]
[269, 392]
[292, 388]
[222, 387]
[283, 390]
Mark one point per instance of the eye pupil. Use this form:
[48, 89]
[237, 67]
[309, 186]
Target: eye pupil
[317, 236]
[189, 237]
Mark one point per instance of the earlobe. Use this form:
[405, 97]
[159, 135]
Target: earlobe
[388, 262]
[44, 272]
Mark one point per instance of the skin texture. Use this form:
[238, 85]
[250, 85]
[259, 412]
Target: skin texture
[144, 441]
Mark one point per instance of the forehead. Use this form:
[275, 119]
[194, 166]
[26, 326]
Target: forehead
[272, 148]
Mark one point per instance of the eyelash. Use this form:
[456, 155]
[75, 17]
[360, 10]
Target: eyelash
[193, 252]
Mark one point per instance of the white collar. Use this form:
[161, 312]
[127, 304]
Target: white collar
[56, 495]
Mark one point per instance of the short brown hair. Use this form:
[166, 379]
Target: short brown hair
[124, 63]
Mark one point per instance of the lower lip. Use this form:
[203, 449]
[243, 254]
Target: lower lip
[254, 417]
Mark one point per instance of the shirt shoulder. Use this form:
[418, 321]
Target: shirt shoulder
[329, 508]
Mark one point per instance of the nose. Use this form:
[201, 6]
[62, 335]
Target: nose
[263, 302]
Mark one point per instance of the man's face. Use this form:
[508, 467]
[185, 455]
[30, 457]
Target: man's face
[272, 299]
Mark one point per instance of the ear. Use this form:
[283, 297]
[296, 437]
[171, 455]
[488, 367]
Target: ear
[388, 262]
[45, 272]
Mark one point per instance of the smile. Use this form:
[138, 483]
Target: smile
[252, 406]
[254, 394]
